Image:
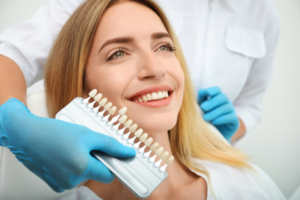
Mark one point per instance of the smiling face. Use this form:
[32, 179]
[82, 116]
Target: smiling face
[132, 59]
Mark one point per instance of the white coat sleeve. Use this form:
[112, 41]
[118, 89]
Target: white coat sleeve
[28, 43]
[248, 105]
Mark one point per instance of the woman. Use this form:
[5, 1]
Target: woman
[127, 51]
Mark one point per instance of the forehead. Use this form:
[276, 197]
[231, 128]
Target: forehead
[129, 19]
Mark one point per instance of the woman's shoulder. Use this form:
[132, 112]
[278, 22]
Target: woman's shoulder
[229, 182]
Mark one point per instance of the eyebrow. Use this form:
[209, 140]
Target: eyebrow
[131, 39]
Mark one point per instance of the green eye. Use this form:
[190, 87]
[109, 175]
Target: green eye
[164, 48]
[118, 54]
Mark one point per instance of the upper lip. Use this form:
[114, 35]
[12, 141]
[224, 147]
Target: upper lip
[151, 89]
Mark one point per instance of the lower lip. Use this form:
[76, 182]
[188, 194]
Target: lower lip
[157, 103]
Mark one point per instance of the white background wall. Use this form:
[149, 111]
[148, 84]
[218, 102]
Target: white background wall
[274, 142]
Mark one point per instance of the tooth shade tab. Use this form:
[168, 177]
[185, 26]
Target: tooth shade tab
[144, 137]
[165, 155]
[149, 141]
[138, 133]
[170, 160]
[103, 102]
[133, 128]
[98, 97]
[113, 110]
[128, 123]
[149, 97]
[123, 119]
[108, 106]
[122, 111]
[93, 93]
[154, 146]
[154, 96]
[159, 151]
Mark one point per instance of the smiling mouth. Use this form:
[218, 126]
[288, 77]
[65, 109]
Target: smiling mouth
[154, 99]
[153, 96]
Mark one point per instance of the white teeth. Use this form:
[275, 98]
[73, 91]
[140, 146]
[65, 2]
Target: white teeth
[103, 102]
[149, 97]
[98, 97]
[93, 93]
[145, 98]
[138, 133]
[159, 151]
[122, 111]
[123, 119]
[113, 110]
[167, 94]
[149, 141]
[154, 96]
[165, 155]
[128, 123]
[108, 106]
[154, 146]
[133, 128]
[170, 160]
[144, 137]
[160, 95]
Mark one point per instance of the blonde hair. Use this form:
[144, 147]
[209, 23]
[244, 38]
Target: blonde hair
[190, 138]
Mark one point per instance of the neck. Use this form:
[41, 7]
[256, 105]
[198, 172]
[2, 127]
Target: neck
[178, 177]
[178, 174]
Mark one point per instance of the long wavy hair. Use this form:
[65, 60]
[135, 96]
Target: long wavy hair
[190, 138]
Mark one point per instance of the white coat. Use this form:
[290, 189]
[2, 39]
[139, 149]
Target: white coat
[227, 43]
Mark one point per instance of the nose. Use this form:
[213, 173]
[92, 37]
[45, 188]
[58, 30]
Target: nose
[151, 66]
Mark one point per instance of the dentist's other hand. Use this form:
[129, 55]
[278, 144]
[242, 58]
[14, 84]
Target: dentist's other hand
[56, 151]
[218, 110]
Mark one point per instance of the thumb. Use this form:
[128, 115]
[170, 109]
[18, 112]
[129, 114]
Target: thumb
[98, 171]
[109, 145]
[202, 96]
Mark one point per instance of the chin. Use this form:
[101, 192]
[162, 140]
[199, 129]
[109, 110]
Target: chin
[157, 122]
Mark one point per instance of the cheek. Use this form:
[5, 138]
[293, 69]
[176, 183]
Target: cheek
[110, 81]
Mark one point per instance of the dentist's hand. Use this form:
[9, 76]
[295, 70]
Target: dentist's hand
[219, 111]
[56, 151]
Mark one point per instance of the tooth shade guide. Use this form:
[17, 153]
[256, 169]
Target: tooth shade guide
[122, 111]
[93, 93]
[98, 97]
[108, 129]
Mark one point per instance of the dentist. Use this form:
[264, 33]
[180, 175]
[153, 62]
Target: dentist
[229, 46]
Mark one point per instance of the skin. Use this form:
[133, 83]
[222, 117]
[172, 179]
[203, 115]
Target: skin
[12, 81]
[144, 63]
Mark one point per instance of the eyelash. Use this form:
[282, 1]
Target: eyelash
[171, 49]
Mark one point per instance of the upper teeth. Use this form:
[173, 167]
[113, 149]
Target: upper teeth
[152, 96]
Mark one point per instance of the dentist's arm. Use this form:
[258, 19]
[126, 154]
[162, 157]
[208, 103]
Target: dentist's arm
[12, 81]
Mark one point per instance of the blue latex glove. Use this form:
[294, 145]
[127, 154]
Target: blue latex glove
[56, 151]
[218, 110]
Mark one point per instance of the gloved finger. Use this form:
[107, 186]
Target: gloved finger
[218, 112]
[201, 96]
[214, 102]
[212, 91]
[98, 171]
[109, 145]
[230, 118]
